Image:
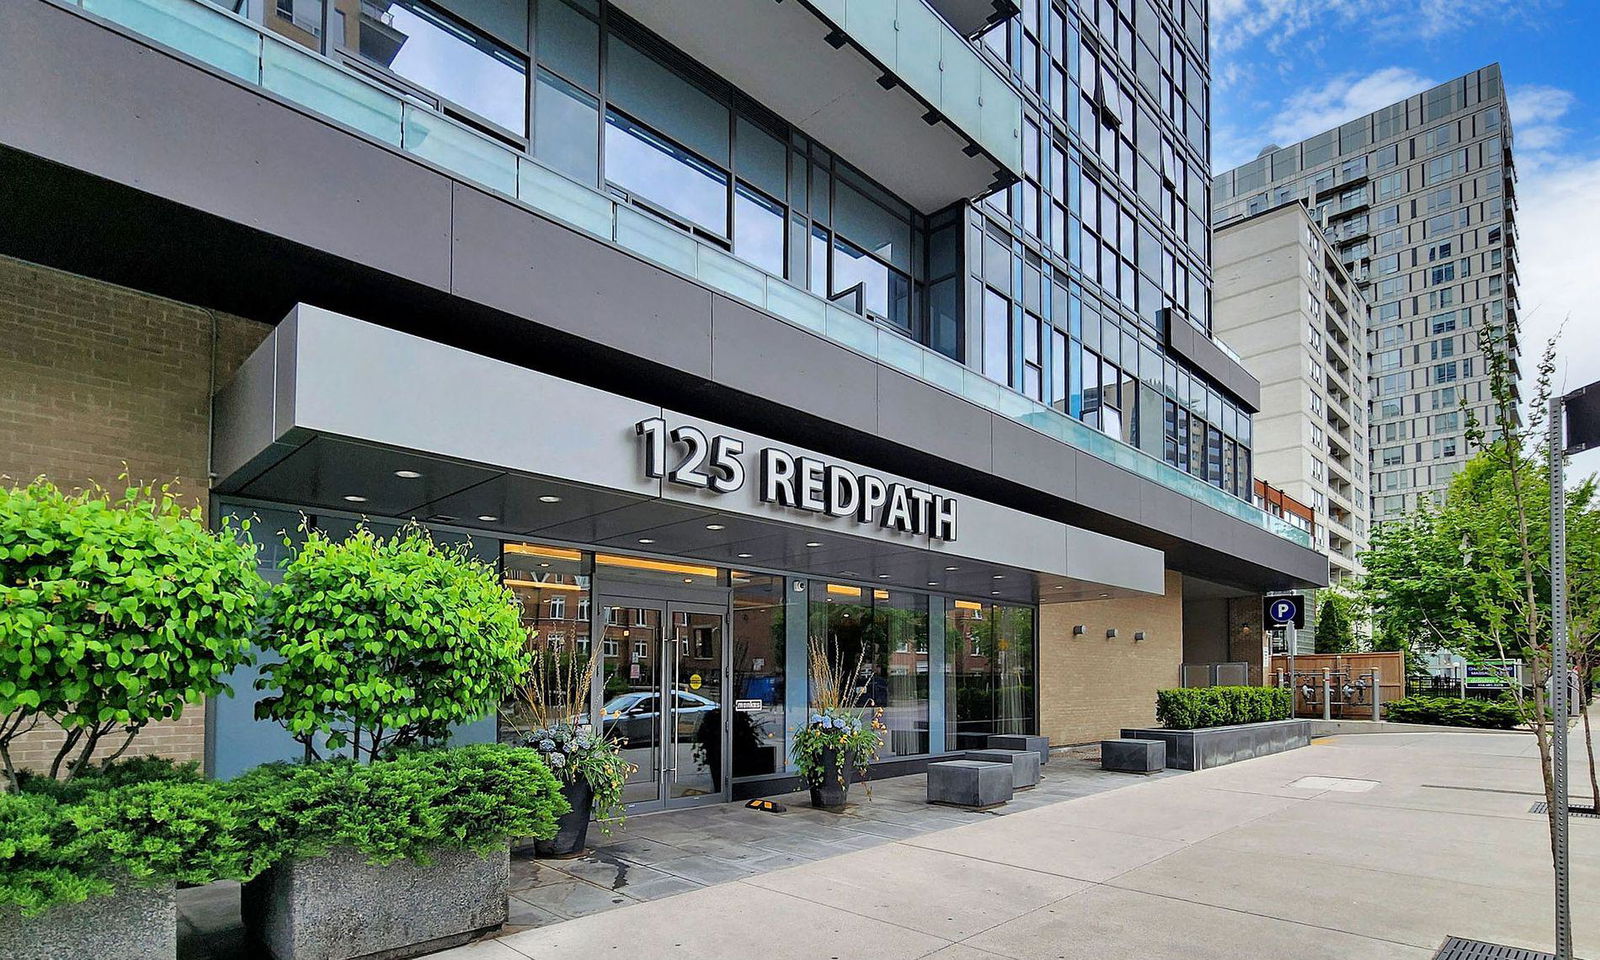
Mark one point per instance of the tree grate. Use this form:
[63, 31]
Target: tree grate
[1456, 948]
[1542, 807]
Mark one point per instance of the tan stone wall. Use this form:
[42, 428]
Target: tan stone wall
[1090, 687]
[97, 381]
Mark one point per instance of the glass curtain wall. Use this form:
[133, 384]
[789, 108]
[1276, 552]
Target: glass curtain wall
[553, 584]
[759, 650]
[989, 673]
[1104, 243]
[616, 108]
[879, 638]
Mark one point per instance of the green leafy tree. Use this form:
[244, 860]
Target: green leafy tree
[1335, 629]
[1473, 574]
[114, 612]
[384, 643]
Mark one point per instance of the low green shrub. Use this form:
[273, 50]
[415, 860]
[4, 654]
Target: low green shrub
[1190, 708]
[474, 797]
[55, 851]
[1455, 712]
[145, 821]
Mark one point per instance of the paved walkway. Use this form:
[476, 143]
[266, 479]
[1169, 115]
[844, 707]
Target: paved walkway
[1371, 846]
[664, 854]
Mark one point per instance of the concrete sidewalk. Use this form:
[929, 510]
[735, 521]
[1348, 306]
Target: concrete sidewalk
[1395, 842]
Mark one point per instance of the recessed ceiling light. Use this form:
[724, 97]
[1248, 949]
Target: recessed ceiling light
[487, 517]
[1058, 586]
[883, 576]
[688, 579]
[646, 540]
[1104, 595]
[952, 568]
[745, 556]
[355, 499]
[933, 583]
[994, 593]
[549, 498]
[813, 543]
[715, 526]
[407, 474]
[998, 576]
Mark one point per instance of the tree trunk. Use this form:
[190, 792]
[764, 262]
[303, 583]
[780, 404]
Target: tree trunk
[1588, 742]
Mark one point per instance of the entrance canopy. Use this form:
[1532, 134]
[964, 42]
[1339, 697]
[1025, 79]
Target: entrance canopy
[336, 413]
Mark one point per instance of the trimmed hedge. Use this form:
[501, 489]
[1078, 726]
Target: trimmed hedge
[1454, 712]
[1193, 707]
[148, 822]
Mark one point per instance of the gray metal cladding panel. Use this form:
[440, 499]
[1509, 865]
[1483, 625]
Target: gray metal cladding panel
[1166, 510]
[768, 358]
[1095, 557]
[1023, 455]
[411, 393]
[915, 415]
[1107, 488]
[139, 117]
[509, 259]
[1215, 529]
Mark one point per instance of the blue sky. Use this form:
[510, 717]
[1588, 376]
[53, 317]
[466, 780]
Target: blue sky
[1285, 69]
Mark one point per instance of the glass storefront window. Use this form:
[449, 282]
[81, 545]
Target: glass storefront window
[887, 634]
[631, 708]
[758, 674]
[554, 586]
[989, 673]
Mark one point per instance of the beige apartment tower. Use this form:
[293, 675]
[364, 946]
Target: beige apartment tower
[1284, 301]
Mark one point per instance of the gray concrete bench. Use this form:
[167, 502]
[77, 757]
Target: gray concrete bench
[969, 783]
[1021, 741]
[1133, 756]
[1024, 764]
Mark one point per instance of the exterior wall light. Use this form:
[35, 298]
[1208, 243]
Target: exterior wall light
[1111, 633]
[1077, 631]
[1138, 635]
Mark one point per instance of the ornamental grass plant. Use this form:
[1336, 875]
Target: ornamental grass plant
[836, 726]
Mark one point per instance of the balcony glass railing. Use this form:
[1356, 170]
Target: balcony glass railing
[238, 47]
[920, 49]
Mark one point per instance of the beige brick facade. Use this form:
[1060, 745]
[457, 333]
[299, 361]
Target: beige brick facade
[1092, 686]
[97, 381]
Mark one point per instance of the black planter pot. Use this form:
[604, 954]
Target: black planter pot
[572, 828]
[834, 790]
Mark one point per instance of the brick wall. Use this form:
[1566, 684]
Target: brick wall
[97, 381]
[1090, 687]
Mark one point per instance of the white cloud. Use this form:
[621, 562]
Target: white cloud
[1314, 109]
[1536, 115]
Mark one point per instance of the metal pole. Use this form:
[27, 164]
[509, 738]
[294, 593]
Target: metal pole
[1559, 687]
[1327, 694]
[1289, 643]
[1377, 695]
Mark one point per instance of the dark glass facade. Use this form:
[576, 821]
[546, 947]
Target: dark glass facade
[1076, 270]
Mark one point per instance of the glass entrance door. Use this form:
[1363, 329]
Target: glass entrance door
[663, 692]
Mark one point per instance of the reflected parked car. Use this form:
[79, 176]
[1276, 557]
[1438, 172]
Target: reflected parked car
[633, 717]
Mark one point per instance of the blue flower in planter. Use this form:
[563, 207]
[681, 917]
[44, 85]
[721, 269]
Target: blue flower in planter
[557, 760]
[547, 745]
[816, 719]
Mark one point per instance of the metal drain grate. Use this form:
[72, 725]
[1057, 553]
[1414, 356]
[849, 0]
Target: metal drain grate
[1542, 807]
[1456, 948]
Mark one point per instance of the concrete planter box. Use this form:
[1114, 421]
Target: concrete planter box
[341, 907]
[1210, 747]
[137, 923]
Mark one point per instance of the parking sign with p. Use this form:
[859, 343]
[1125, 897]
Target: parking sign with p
[1281, 611]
